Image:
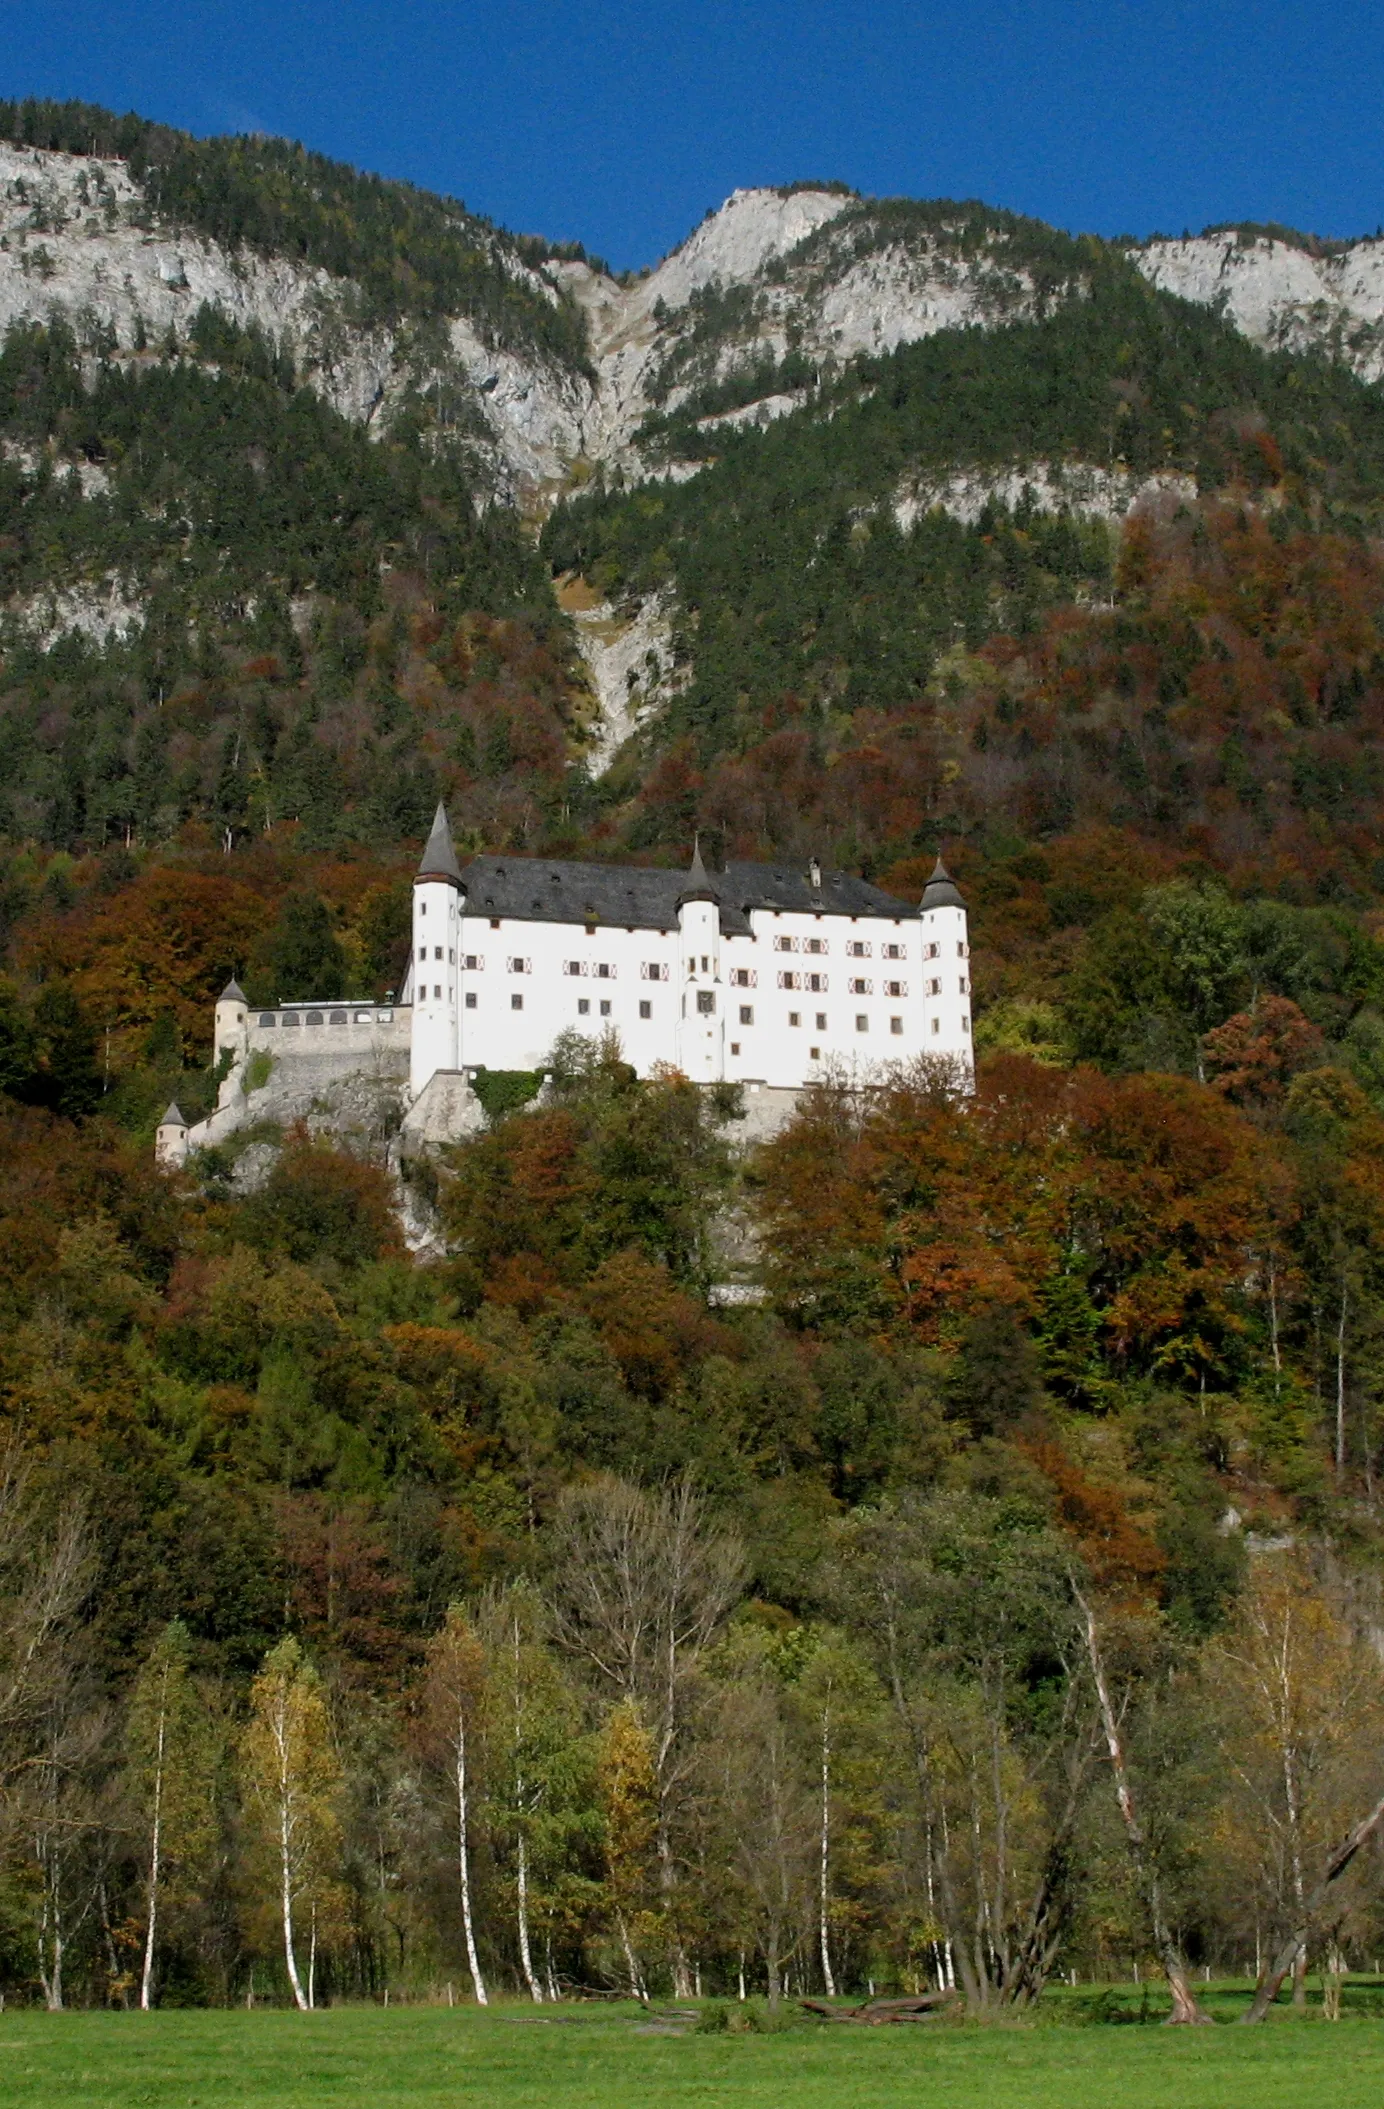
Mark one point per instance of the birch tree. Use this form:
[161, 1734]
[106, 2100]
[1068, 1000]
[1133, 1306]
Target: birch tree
[170, 1779]
[291, 1778]
[454, 1699]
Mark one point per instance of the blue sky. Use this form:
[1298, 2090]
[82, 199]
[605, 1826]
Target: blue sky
[621, 124]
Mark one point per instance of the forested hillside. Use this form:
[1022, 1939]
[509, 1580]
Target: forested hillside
[626, 1635]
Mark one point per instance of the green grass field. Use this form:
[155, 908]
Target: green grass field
[593, 2058]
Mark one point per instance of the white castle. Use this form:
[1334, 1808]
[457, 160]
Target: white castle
[765, 976]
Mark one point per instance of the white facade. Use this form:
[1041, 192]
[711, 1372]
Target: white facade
[716, 984]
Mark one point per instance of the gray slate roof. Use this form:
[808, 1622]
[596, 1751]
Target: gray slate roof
[173, 1118]
[543, 890]
[232, 993]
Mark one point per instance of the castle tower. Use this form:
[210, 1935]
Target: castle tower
[437, 906]
[231, 1036]
[170, 1138]
[946, 969]
[701, 1020]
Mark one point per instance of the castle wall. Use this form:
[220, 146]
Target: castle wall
[802, 996]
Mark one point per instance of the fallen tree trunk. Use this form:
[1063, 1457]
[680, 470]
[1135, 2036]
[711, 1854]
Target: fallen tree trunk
[876, 2013]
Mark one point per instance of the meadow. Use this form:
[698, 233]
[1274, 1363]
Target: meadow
[599, 2058]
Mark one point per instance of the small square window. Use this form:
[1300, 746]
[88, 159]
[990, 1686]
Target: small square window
[583, 1007]
[896, 1025]
[821, 1021]
[470, 1001]
[471, 962]
[735, 1047]
[646, 1010]
[516, 1003]
[605, 1009]
[494, 922]
[937, 1025]
[862, 1023]
[747, 1014]
[794, 1018]
[437, 993]
[814, 1054]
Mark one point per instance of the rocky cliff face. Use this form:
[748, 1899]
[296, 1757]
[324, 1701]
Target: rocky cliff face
[1283, 295]
[817, 272]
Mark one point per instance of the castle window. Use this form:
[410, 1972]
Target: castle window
[937, 1025]
[451, 957]
[340, 1018]
[857, 950]
[605, 1008]
[422, 951]
[794, 1019]
[932, 951]
[268, 1018]
[965, 1023]
[494, 922]
[706, 1002]
[960, 951]
[422, 907]
[516, 1003]
[821, 1021]
[934, 988]
[747, 1014]
[785, 944]
[473, 962]
[574, 966]
[437, 992]
[470, 1000]
[815, 944]
[646, 1010]
[860, 987]
[519, 966]
[291, 1018]
[896, 1025]
[814, 1054]
[817, 983]
[314, 1017]
[706, 964]
[862, 1023]
[735, 1047]
[583, 1006]
[605, 972]
[652, 971]
[964, 986]
[744, 977]
[790, 981]
[895, 988]
[437, 951]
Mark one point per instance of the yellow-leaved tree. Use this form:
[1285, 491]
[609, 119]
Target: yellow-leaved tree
[291, 1781]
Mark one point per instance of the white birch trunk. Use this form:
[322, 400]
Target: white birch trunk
[464, 1861]
[286, 1857]
[522, 1899]
[146, 1982]
[828, 1979]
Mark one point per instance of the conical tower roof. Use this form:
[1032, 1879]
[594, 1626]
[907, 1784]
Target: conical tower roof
[439, 859]
[699, 885]
[941, 890]
[173, 1118]
[232, 993]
